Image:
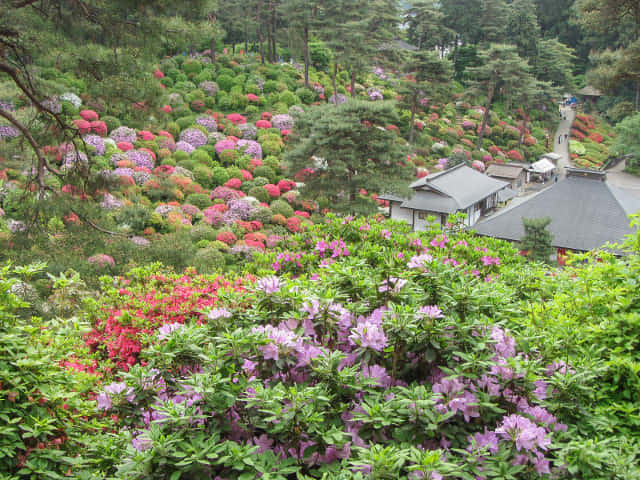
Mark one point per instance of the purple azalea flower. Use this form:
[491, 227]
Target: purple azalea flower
[419, 261]
[431, 311]
[217, 313]
[167, 329]
[269, 285]
[392, 284]
[526, 434]
[369, 335]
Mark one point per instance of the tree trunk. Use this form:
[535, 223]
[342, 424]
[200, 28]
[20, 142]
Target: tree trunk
[420, 42]
[259, 27]
[353, 83]
[246, 38]
[335, 82]
[637, 95]
[455, 52]
[414, 102]
[485, 115]
[524, 128]
[274, 27]
[306, 55]
[213, 50]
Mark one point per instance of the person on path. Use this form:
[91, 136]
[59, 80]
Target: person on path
[559, 139]
[566, 137]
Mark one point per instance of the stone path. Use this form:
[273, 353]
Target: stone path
[617, 177]
[560, 143]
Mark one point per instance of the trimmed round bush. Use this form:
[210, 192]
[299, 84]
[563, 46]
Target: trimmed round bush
[266, 172]
[225, 82]
[203, 231]
[200, 200]
[219, 176]
[259, 193]
[280, 207]
[209, 260]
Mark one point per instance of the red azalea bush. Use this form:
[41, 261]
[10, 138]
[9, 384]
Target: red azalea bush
[514, 155]
[145, 135]
[293, 224]
[253, 98]
[235, 183]
[124, 146]
[227, 237]
[236, 118]
[529, 141]
[286, 185]
[596, 137]
[82, 125]
[139, 308]
[263, 124]
[265, 116]
[98, 127]
[246, 175]
[577, 134]
[89, 115]
[272, 190]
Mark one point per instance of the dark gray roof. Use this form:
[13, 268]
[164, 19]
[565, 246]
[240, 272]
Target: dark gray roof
[464, 185]
[432, 202]
[391, 197]
[506, 194]
[585, 214]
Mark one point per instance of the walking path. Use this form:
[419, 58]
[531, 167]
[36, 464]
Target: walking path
[561, 139]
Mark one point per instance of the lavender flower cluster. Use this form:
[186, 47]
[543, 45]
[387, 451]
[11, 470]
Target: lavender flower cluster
[74, 160]
[374, 94]
[124, 172]
[101, 260]
[109, 202]
[8, 132]
[164, 210]
[7, 105]
[282, 121]
[223, 145]
[249, 131]
[208, 122]
[296, 110]
[208, 87]
[194, 137]
[124, 134]
[341, 98]
[140, 158]
[141, 177]
[185, 146]
[53, 104]
[95, 141]
[239, 209]
[249, 147]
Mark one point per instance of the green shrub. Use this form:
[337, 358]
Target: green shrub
[200, 200]
[138, 218]
[111, 122]
[209, 260]
[203, 231]
[280, 207]
[265, 171]
[288, 98]
[219, 176]
[204, 75]
[234, 172]
[225, 82]
[189, 164]
[192, 67]
[270, 86]
[200, 156]
[180, 156]
[174, 129]
[260, 193]
[306, 95]
[186, 122]
[262, 214]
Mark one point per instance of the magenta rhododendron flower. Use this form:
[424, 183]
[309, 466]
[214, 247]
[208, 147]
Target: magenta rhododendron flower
[526, 434]
[368, 335]
[269, 285]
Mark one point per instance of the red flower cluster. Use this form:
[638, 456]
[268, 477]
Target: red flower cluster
[227, 237]
[263, 124]
[272, 190]
[294, 224]
[142, 308]
[286, 185]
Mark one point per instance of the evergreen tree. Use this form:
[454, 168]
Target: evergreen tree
[495, 14]
[427, 73]
[348, 148]
[523, 29]
[426, 29]
[627, 140]
[502, 69]
[555, 63]
[302, 16]
[537, 239]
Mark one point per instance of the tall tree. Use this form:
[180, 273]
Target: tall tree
[615, 68]
[495, 15]
[348, 149]
[523, 29]
[461, 16]
[302, 16]
[627, 141]
[502, 69]
[424, 20]
[427, 72]
[537, 239]
[555, 63]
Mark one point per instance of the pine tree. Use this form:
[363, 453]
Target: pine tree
[494, 20]
[349, 149]
[424, 20]
[502, 69]
[427, 73]
[523, 29]
[537, 239]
